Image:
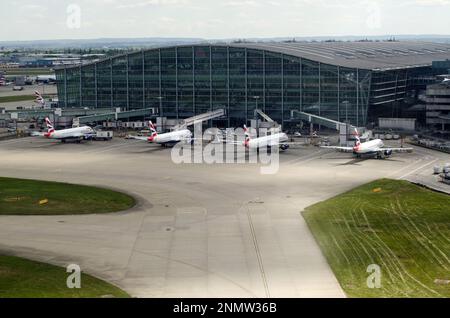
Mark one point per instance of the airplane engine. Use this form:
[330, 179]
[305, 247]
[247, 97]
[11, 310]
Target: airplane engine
[284, 147]
[388, 153]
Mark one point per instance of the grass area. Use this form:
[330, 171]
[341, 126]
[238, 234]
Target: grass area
[22, 197]
[28, 71]
[21, 278]
[16, 98]
[402, 227]
[19, 98]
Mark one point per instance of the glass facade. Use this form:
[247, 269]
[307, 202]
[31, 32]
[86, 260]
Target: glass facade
[189, 80]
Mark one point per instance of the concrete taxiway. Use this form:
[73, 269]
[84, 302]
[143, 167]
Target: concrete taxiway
[198, 230]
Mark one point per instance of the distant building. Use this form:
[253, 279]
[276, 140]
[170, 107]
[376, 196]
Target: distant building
[357, 82]
[408, 124]
[442, 67]
[20, 80]
[7, 66]
[438, 106]
[35, 62]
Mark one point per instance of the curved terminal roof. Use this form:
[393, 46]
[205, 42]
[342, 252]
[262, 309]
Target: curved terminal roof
[364, 55]
[377, 56]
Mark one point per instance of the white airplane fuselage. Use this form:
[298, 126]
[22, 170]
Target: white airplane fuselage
[267, 141]
[372, 146]
[172, 137]
[71, 133]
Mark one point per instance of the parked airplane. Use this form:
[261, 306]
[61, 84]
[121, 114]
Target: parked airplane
[3, 82]
[46, 79]
[171, 138]
[39, 99]
[78, 134]
[372, 148]
[278, 139]
[275, 140]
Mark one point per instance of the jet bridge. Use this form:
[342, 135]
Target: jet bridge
[270, 123]
[200, 118]
[343, 128]
[117, 115]
[263, 115]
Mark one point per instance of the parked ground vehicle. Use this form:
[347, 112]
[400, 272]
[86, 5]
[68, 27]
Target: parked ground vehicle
[104, 135]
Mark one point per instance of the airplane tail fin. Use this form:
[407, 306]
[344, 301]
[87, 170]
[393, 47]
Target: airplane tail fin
[247, 135]
[39, 99]
[153, 130]
[50, 127]
[357, 136]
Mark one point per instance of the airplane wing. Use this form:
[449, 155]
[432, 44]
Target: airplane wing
[179, 139]
[230, 142]
[294, 143]
[397, 150]
[37, 134]
[341, 149]
[274, 143]
[219, 140]
[142, 138]
[182, 139]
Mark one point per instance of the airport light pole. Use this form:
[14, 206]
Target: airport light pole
[256, 114]
[346, 110]
[256, 100]
[347, 132]
[160, 98]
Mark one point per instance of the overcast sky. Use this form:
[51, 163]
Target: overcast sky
[215, 19]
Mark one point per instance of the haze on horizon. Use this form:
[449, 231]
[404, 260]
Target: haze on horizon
[224, 19]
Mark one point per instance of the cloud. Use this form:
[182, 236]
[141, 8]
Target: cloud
[225, 18]
[246, 3]
[152, 3]
[432, 2]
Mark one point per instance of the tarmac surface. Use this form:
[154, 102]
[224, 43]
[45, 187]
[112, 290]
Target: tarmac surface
[28, 90]
[199, 230]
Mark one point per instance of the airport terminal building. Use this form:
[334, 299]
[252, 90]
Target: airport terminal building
[346, 81]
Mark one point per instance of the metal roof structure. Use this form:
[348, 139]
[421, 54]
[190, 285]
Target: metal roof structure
[377, 56]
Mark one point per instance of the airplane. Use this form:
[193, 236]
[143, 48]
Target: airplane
[171, 138]
[78, 134]
[39, 99]
[374, 148]
[46, 79]
[446, 81]
[278, 139]
[3, 82]
[274, 140]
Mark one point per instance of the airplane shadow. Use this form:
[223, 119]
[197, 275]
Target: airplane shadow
[151, 150]
[356, 161]
[56, 144]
